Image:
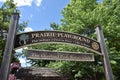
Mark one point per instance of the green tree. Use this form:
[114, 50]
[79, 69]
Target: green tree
[82, 17]
[6, 11]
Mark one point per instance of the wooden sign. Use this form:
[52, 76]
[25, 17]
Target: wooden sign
[56, 36]
[50, 55]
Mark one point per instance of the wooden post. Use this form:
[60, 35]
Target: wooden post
[107, 66]
[4, 71]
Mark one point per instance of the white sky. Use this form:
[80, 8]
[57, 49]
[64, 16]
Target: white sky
[25, 2]
[27, 29]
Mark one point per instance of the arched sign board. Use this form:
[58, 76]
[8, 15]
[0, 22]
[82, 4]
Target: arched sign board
[28, 38]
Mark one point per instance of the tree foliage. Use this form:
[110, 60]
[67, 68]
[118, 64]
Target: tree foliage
[6, 11]
[82, 17]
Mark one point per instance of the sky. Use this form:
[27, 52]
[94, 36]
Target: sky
[39, 14]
